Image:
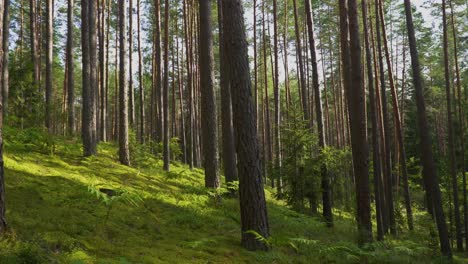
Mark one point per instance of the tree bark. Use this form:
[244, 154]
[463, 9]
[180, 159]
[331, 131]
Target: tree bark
[252, 197]
[208, 100]
[229, 151]
[358, 126]
[89, 95]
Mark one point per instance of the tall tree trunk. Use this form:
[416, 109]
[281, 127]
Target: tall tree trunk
[256, 102]
[398, 129]
[102, 74]
[6, 58]
[191, 149]
[276, 93]
[140, 76]
[451, 135]
[157, 71]
[34, 42]
[429, 171]
[461, 121]
[326, 184]
[208, 100]
[386, 128]
[88, 109]
[252, 197]
[49, 61]
[124, 152]
[302, 78]
[131, 91]
[266, 102]
[229, 151]
[3, 223]
[377, 169]
[166, 154]
[358, 124]
[70, 70]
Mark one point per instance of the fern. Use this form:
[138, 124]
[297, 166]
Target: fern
[259, 237]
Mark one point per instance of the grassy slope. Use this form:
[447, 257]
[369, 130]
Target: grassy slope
[54, 217]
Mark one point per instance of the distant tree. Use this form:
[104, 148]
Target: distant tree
[70, 69]
[49, 61]
[451, 134]
[165, 96]
[326, 184]
[124, 152]
[3, 223]
[6, 56]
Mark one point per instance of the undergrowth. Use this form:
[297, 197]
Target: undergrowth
[63, 208]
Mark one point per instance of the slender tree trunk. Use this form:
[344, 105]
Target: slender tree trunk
[377, 169]
[131, 91]
[102, 74]
[326, 184]
[256, 103]
[398, 129]
[191, 145]
[49, 61]
[276, 92]
[6, 58]
[252, 198]
[461, 122]
[266, 102]
[229, 151]
[140, 76]
[358, 125]
[34, 42]
[124, 152]
[451, 134]
[303, 87]
[208, 100]
[158, 73]
[3, 223]
[386, 128]
[166, 154]
[429, 171]
[70, 70]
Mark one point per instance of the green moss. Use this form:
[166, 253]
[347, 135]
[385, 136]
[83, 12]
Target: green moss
[54, 216]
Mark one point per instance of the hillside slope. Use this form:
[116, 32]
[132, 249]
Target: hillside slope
[57, 214]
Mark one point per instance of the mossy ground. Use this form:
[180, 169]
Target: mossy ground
[54, 216]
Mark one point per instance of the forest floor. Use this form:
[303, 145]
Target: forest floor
[56, 214]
